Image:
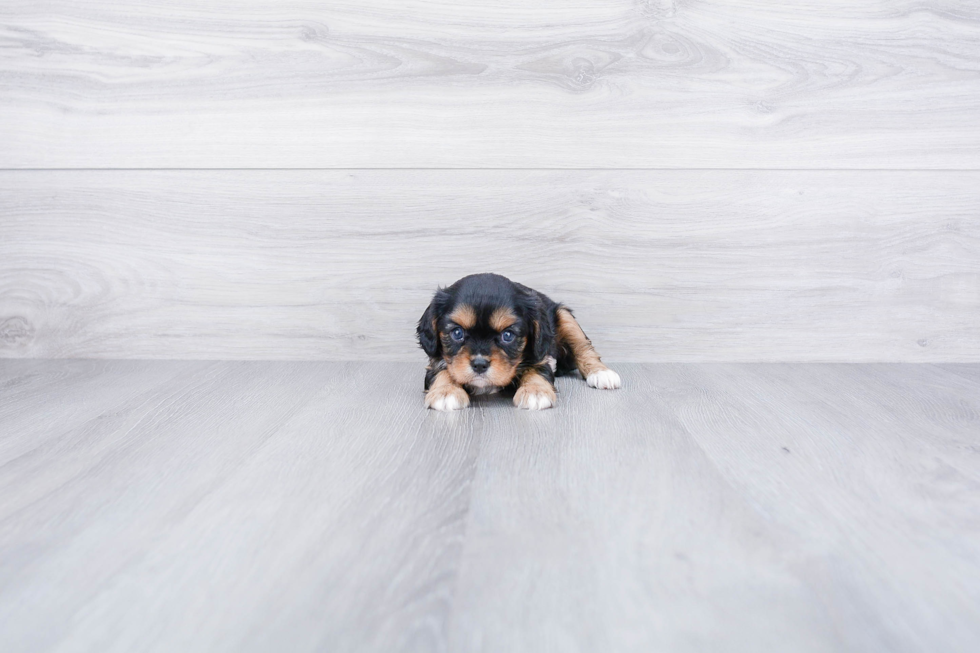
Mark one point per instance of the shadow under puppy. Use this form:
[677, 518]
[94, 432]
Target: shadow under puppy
[485, 333]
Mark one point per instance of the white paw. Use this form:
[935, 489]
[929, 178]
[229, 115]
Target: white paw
[530, 400]
[447, 400]
[604, 380]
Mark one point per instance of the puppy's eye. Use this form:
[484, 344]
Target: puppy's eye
[456, 334]
[507, 336]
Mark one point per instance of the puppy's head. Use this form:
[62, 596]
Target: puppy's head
[481, 329]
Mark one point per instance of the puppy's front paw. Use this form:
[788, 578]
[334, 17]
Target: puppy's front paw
[447, 398]
[534, 398]
[604, 380]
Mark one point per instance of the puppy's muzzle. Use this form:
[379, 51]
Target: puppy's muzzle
[480, 364]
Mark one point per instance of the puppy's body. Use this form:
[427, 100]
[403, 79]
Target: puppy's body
[485, 333]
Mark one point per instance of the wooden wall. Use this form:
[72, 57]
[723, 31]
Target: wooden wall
[291, 180]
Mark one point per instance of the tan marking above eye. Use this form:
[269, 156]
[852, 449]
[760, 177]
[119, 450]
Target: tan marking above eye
[464, 316]
[502, 318]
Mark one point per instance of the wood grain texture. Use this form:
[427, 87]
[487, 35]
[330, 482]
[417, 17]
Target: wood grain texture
[554, 83]
[659, 265]
[736, 507]
[234, 506]
[268, 506]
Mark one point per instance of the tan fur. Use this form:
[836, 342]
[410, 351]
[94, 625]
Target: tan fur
[459, 367]
[569, 332]
[502, 318]
[500, 372]
[444, 386]
[502, 369]
[533, 383]
[464, 316]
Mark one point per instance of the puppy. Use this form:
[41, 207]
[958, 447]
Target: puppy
[485, 333]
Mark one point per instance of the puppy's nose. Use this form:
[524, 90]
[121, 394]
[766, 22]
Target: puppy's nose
[479, 364]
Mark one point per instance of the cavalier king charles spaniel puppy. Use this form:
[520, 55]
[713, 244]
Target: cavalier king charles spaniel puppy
[485, 333]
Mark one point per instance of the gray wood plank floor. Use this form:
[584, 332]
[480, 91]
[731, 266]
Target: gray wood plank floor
[550, 83]
[679, 265]
[260, 506]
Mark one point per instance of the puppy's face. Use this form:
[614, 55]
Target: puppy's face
[482, 345]
[479, 330]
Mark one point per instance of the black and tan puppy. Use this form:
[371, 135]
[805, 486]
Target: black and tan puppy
[485, 333]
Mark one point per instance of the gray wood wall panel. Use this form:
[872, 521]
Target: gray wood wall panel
[552, 83]
[659, 265]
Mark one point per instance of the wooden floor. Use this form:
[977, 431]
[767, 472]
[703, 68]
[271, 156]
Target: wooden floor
[258, 506]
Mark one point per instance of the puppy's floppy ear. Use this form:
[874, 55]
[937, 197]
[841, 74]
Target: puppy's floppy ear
[426, 331]
[544, 333]
[540, 332]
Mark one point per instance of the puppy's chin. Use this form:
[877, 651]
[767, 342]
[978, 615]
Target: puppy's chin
[481, 385]
[479, 382]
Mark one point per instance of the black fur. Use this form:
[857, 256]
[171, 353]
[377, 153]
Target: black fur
[428, 338]
[536, 325]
